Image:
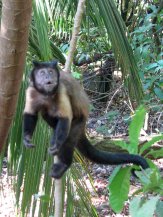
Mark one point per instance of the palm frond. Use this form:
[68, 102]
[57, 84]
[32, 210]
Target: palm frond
[117, 33]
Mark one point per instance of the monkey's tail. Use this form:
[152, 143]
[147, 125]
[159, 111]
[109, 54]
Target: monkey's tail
[102, 157]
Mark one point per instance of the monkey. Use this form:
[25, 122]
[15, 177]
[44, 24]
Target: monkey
[64, 105]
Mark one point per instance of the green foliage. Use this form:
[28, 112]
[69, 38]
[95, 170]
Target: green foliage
[156, 153]
[41, 44]
[148, 52]
[122, 49]
[159, 208]
[134, 133]
[149, 204]
[40, 20]
[119, 188]
[135, 128]
[147, 145]
[150, 179]
[141, 207]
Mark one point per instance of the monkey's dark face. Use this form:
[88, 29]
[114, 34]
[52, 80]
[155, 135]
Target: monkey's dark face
[45, 77]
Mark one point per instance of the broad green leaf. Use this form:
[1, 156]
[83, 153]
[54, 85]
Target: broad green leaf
[152, 165]
[141, 208]
[144, 176]
[122, 144]
[159, 209]
[151, 142]
[119, 188]
[135, 205]
[151, 180]
[134, 129]
[156, 153]
[114, 173]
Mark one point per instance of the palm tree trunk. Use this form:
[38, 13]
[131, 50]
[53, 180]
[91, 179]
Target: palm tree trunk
[15, 21]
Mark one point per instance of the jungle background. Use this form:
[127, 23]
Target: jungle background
[119, 62]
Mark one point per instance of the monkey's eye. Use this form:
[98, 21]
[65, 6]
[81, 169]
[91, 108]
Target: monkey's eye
[42, 72]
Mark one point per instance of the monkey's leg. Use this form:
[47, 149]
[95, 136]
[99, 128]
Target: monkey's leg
[65, 154]
[65, 157]
[29, 125]
[60, 135]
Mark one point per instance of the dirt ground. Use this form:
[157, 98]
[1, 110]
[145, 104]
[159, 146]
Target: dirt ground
[100, 200]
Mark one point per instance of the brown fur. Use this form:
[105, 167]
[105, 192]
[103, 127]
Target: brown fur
[69, 100]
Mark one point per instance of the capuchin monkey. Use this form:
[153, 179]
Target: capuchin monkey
[64, 105]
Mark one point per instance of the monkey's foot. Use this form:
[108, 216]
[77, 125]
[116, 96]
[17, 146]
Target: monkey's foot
[53, 150]
[27, 143]
[58, 170]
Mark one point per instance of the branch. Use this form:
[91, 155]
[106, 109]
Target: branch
[77, 22]
[58, 195]
[73, 42]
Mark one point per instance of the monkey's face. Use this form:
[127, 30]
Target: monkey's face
[46, 79]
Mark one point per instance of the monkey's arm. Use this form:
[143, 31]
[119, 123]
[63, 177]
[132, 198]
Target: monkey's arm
[29, 125]
[61, 132]
[29, 120]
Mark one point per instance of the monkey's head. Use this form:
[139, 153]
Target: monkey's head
[45, 77]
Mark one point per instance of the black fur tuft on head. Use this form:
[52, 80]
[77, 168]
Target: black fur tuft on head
[36, 64]
[51, 64]
[54, 64]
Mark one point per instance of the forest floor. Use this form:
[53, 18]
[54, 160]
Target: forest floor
[100, 199]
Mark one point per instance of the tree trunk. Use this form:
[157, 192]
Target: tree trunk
[15, 21]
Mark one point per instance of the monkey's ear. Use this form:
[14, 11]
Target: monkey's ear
[54, 64]
[36, 63]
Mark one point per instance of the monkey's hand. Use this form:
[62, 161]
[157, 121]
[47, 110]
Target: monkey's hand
[27, 142]
[53, 150]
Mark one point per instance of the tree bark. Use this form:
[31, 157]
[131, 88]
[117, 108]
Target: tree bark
[15, 21]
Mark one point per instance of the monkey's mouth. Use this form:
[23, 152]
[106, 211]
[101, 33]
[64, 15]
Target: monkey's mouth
[49, 86]
[49, 83]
